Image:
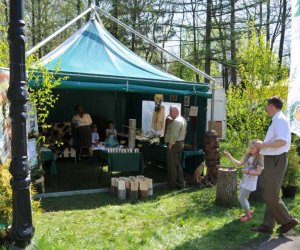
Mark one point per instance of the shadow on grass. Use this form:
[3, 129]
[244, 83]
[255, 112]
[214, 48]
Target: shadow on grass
[233, 235]
[91, 201]
[87, 175]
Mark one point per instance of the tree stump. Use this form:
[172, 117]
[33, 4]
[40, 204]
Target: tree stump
[226, 195]
[258, 194]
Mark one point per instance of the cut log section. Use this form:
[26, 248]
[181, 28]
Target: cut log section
[226, 195]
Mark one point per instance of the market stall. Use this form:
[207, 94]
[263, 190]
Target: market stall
[112, 83]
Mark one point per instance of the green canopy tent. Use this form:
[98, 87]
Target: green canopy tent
[110, 81]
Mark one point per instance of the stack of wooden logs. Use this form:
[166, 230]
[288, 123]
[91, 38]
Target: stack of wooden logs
[132, 187]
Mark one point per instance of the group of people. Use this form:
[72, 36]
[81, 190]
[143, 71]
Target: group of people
[270, 156]
[267, 157]
[86, 133]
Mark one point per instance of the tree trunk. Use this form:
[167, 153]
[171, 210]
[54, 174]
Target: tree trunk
[268, 21]
[134, 24]
[6, 10]
[282, 34]
[78, 9]
[115, 12]
[195, 49]
[258, 194]
[226, 195]
[225, 77]
[233, 42]
[208, 39]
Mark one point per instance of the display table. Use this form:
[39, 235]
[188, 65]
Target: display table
[120, 161]
[48, 155]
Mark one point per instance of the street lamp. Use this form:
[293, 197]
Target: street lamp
[22, 229]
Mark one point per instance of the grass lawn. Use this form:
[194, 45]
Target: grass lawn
[185, 219]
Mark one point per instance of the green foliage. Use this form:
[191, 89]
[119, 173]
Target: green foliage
[5, 195]
[41, 93]
[261, 78]
[292, 175]
[3, 39]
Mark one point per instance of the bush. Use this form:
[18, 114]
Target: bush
[292, 175]
[261, 77]
[6, 196]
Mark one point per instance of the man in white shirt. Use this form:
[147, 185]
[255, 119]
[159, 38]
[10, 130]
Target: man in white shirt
[274, 148]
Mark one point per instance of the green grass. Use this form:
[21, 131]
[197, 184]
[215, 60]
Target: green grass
[185, 219]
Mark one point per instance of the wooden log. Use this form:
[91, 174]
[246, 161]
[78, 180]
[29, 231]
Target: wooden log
[134, 190]
[121, 189]
[226, 195]
[258, 194]
[131, 133]
[114, 187]
[127, 186]
[143, 189]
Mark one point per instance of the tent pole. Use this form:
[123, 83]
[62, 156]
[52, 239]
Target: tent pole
[92, 17]
[49, 38]
[212, 106]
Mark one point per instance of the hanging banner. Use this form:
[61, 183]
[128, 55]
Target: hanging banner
[294, 84]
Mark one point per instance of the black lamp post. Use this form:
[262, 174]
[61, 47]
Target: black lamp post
[22, 229]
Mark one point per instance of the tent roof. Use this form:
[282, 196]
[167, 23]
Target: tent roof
[93, 59]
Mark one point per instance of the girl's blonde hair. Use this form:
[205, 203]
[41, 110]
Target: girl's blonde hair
[257, 157]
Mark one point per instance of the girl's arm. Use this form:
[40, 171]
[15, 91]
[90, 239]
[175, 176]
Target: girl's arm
[255, 172]
[235, 161]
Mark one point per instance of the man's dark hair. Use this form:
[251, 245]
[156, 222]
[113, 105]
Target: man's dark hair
[276, 101]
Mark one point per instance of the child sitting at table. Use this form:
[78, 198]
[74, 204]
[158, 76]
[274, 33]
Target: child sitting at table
[95, 135]
[111, 136]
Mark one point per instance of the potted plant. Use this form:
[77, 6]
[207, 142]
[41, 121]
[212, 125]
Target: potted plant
[292, 176]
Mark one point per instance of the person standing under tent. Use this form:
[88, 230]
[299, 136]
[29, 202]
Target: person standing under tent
[82, 122]
[174, 138]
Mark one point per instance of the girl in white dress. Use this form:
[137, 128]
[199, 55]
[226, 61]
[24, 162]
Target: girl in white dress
[252, 169]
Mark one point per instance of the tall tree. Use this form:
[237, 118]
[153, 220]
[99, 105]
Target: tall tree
[232, 41]
[282, 33]
[208, 38]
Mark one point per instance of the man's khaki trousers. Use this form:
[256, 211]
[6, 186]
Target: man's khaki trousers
[175, 173]
[273, 174]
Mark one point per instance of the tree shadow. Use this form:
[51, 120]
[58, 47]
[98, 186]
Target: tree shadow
[226, 237]
[97, 200]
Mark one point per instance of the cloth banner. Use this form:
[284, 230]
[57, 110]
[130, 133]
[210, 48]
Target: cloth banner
[294, 84]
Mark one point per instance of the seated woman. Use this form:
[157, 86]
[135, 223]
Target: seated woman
[111, 136]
